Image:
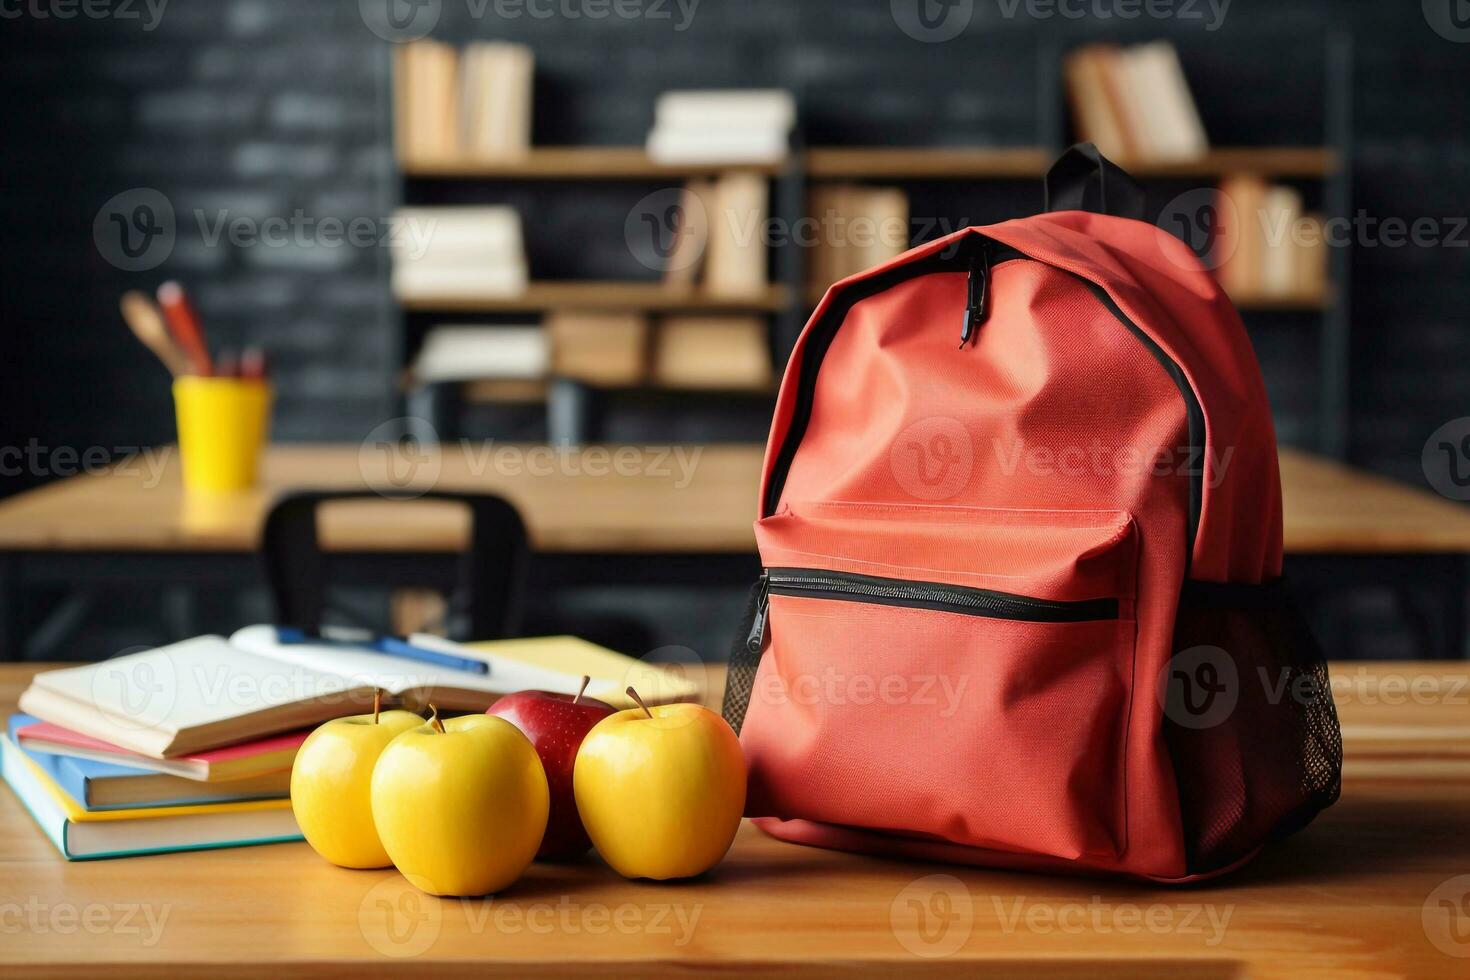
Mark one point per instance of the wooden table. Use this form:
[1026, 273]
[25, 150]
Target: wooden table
[1357, 894]
[671, 514]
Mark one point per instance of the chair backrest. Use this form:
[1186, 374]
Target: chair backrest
[491, 568]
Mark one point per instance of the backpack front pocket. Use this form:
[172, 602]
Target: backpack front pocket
[951, 673]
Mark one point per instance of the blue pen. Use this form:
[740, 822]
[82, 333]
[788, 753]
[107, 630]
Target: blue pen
[390, 645]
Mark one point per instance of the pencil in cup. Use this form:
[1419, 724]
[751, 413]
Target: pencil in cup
[223, 426]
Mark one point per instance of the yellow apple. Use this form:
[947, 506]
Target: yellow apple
[330, 786]
[461, 807]
[661, 790]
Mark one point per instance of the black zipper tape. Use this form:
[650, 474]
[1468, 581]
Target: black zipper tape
[990, 603]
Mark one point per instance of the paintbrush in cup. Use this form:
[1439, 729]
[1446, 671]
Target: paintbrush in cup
[146, 322]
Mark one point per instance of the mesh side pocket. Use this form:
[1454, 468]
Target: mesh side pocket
[1249, 721]
[740, 677]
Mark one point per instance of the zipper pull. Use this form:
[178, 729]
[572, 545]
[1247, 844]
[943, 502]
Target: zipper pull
[756, 639]
[978, 293]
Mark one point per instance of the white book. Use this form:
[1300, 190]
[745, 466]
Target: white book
[425, 230]
[488, 280]
[717, 145]
[1171, 121]
[464, 353]
[1280, 212]
[750, 109]
[209, 692]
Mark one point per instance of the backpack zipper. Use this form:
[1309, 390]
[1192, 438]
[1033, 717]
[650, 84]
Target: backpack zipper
[939, 596]
[990, 254]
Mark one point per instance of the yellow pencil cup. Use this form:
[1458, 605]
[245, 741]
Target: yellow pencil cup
[223, 425]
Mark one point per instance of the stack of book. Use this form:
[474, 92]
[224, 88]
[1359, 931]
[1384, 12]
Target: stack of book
[858, 227]
[608, 350]
[190, 746]
[733, 126]
[720, 240]
[1134, 103]
[467, 352]
[712, 352]
[458, 253]
[475, 103]
[1267, 246]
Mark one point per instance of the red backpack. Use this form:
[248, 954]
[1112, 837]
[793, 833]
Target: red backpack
[1021, 527]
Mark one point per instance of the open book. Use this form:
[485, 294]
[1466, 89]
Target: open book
[210, 691]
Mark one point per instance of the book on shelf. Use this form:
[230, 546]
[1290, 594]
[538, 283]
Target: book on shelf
[1134, 102]
[496, 97]
[475, 102]
[727, 352]
[858, 227]
[732, 126]
[735, 259]
[691, 234]
[458, 252]
[1267, 245]
[466, 352]
[604, 349]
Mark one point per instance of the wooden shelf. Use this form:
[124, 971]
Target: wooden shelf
[574, 163]
[518, 391]
[839, 162]
[606, 296]
[944, 163]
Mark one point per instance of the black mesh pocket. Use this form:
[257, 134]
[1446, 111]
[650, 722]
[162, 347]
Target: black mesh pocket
[1249, 721]
[740, 678]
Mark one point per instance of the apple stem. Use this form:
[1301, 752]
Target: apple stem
[634, 695]
[377, 703]
[434, 721]
[583, 689]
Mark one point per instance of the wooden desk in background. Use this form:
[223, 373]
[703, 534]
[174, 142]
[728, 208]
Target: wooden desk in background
[679, 515]
[1378, 886]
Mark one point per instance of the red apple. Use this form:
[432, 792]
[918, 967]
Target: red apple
[556, 725]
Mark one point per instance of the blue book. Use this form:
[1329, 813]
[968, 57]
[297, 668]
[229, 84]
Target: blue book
[102, 786]
[81, 834]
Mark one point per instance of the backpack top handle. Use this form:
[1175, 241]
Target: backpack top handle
[1081, 167]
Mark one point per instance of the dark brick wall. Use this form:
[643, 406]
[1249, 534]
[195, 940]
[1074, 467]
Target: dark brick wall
[270, 108]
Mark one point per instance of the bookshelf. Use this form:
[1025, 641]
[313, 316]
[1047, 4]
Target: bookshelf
[789, 299]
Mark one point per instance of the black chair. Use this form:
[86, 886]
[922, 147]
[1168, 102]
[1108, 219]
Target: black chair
[485, 605]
